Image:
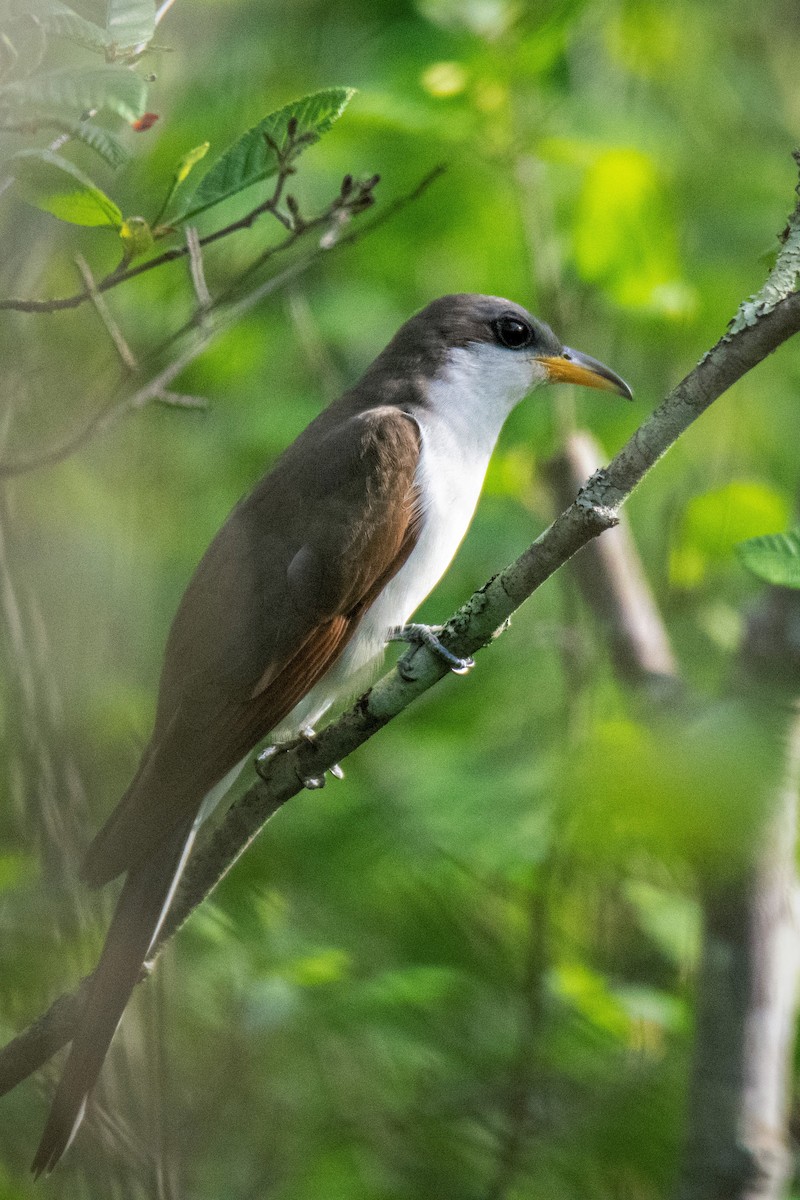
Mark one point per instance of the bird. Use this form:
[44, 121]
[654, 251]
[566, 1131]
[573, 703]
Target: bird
[293, 602]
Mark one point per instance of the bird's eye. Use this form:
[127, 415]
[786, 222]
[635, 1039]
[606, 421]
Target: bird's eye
[513, 333]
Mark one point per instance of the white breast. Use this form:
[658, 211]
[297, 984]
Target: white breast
[467, 405]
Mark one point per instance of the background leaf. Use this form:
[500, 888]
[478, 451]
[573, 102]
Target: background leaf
[78, 90]
[775, 558]
[101, 141]
[57, 186]
[250, 159]
[59, 19]
[714, 522]
[190, 160]
[130, 22]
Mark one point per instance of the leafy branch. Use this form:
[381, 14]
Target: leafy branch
[270, 148]
[226, 311]
[473, 627]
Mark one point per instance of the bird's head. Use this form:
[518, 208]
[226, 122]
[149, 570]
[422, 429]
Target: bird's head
[499, 348]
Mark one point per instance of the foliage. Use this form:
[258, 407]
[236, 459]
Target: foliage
[774, 558]
[57, 186]
[257, 154]
[467, 970]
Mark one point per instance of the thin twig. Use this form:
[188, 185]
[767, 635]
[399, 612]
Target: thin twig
[325, 245]
[104, 313]
[109, 416]
[180, 400]
[162, 10]
[122, 275]
[157, 388]
[197, 270]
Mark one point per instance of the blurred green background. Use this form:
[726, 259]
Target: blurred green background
[467, 971]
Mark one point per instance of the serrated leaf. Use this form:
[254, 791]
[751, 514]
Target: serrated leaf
[251, 160]
[78, 91]
[130, 23]
[59, 19]
[102, 141]
[774, 558]
[55, 185]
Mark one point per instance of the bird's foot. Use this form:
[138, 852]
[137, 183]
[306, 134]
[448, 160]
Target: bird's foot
[308, 736]
[428, 635]
[312, 782]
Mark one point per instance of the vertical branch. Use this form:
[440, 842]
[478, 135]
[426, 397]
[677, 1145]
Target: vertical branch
[736, 1121]
[611, 580]
[736, 1145]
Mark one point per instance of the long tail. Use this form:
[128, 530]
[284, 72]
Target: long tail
[143, 903]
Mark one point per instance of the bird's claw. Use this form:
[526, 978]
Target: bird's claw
[312, 782]
[317, 781]
[428, 635]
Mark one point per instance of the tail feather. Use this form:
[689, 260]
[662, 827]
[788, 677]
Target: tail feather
[143, 903]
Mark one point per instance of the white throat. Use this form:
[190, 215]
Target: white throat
[477, 388]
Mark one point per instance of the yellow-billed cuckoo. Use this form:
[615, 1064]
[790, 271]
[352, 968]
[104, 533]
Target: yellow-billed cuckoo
[295, 597]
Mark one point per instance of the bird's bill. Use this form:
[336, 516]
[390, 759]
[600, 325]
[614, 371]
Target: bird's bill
[570, 366]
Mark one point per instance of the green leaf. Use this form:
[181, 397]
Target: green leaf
[775, 558]
[190, 160]
[182, 169]
[102, 142]
[56, 18]
[251, 160]
[55, 185]
[130, 23]
[78, 90]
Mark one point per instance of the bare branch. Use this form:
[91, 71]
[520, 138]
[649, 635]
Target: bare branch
[611, 580]
[197, 270]
[104, 313]
[180, 400]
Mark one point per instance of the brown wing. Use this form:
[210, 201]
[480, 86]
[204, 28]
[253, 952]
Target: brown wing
[273, 603]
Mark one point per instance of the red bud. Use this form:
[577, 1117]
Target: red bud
[146, 121]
